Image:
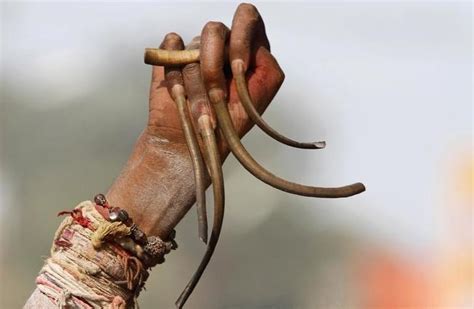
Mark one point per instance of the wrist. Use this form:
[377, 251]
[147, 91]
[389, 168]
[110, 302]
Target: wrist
[156, 186]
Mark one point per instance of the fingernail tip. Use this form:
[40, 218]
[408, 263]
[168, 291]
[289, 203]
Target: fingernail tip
[319, 145]
[203, 239]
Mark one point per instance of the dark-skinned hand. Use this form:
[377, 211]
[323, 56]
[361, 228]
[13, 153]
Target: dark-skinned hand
[156, 186]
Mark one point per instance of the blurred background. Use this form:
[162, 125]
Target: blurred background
[388, 85]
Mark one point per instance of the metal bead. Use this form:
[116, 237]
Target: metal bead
[117, 214]
[100, 199]
[114, 214]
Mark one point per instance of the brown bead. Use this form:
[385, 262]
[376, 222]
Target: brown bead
[173, 245]
[155, 247]
[100, 199]
[123, 215]
[172, 234]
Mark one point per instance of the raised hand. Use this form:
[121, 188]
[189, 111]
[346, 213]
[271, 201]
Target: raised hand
[243, 49]
[202, 102]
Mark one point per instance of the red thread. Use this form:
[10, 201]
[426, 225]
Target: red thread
[77, 216]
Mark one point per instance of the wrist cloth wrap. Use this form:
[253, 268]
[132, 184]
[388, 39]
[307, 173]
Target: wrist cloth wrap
[86, 270]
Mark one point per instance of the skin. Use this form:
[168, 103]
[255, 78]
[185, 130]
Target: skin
[156, 185]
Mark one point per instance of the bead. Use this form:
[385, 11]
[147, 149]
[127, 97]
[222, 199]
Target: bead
[129, 245]
[117, 214]
[123, 215]
[173, 245]
[114, 214]
[172, 234]
[137, 235]
[100, 199]
[155, 247]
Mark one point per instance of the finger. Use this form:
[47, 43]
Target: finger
[212, 53]
[161, 105]
[175, 84]
[248, 33]
[267, 73]
[194, 86]
[173, 76]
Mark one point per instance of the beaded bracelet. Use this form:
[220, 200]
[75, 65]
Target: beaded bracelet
[149, 249]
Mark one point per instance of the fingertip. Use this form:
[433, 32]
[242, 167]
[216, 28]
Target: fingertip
[244, 5]
[214, 28]
[249, 10]
[172, 36]
[173, 76]
[172, 41]
[248, 34]
[244, 25]
[319, 145]
[213, 40]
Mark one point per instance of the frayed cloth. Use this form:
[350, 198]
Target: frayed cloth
[87, 269]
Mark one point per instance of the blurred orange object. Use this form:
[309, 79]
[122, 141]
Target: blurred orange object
[386, 281]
